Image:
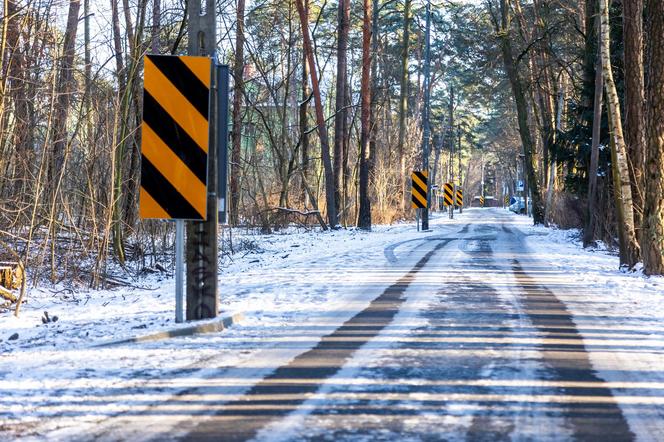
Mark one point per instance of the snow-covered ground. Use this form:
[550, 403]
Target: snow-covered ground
[55, 384]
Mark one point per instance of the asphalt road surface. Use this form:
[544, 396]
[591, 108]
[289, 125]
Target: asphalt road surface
[467, 345]
[468, 340]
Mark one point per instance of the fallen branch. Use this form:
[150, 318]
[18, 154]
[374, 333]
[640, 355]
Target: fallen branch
[6, 294]
[299, 212]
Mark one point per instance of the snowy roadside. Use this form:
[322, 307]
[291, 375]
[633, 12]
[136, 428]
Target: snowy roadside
[256, 280]
[310, 281]
[617, 294]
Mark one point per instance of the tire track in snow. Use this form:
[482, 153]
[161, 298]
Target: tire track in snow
[569, 362]
[280, 393]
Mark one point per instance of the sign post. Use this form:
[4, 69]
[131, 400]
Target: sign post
[448, 198]
[180, 175]
[419, 196]
[174, 149]
[179, 270]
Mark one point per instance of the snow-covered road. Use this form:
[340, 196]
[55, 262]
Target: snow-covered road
[484, 329]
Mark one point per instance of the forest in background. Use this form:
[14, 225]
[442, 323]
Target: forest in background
[566, 93]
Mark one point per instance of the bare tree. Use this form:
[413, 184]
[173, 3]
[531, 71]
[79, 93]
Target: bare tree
[320, 117]
[502, 28]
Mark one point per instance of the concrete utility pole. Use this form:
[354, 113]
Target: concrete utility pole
[460, 170]
[425, 115]
[482, 189]
[452, 140]
[202, 297]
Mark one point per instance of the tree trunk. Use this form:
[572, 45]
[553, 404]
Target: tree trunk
[589, 231]
[373, 100]
[156, 24]
[236, 134]
[320, 118]
[522, 110]
[131, 38]
[117, 46]
[364, 216]
[64, 88]
[635, 137]
[403, 105]
[551, 159]
[18, 93]
[340, 115]
[304, 107]
[629, 247]
[653, 214]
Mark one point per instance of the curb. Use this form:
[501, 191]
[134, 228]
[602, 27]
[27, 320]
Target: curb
[209, 327]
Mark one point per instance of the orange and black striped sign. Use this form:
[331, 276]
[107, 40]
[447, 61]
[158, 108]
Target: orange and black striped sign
[459, 197]
[448, 194]
[175, 136]
[419, 191]
[482, 201]
[507, 200]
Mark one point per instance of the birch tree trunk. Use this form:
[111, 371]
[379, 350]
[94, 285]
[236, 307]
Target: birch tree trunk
[653, 214]
[629, 247]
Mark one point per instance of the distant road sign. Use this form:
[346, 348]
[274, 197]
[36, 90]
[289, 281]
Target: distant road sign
[175, 137]
[519, 186]
[419, 189]
[459, 197]
[448, 194]
[482, 201]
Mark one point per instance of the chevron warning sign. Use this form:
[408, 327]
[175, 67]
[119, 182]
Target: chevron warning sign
[507, 200]
[419, 191]
[482, 201]
[448, 194]
[459, 197]
[175, 133]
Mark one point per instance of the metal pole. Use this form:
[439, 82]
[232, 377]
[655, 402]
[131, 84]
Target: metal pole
[425, 117]
[222, 72]
[179, 270]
